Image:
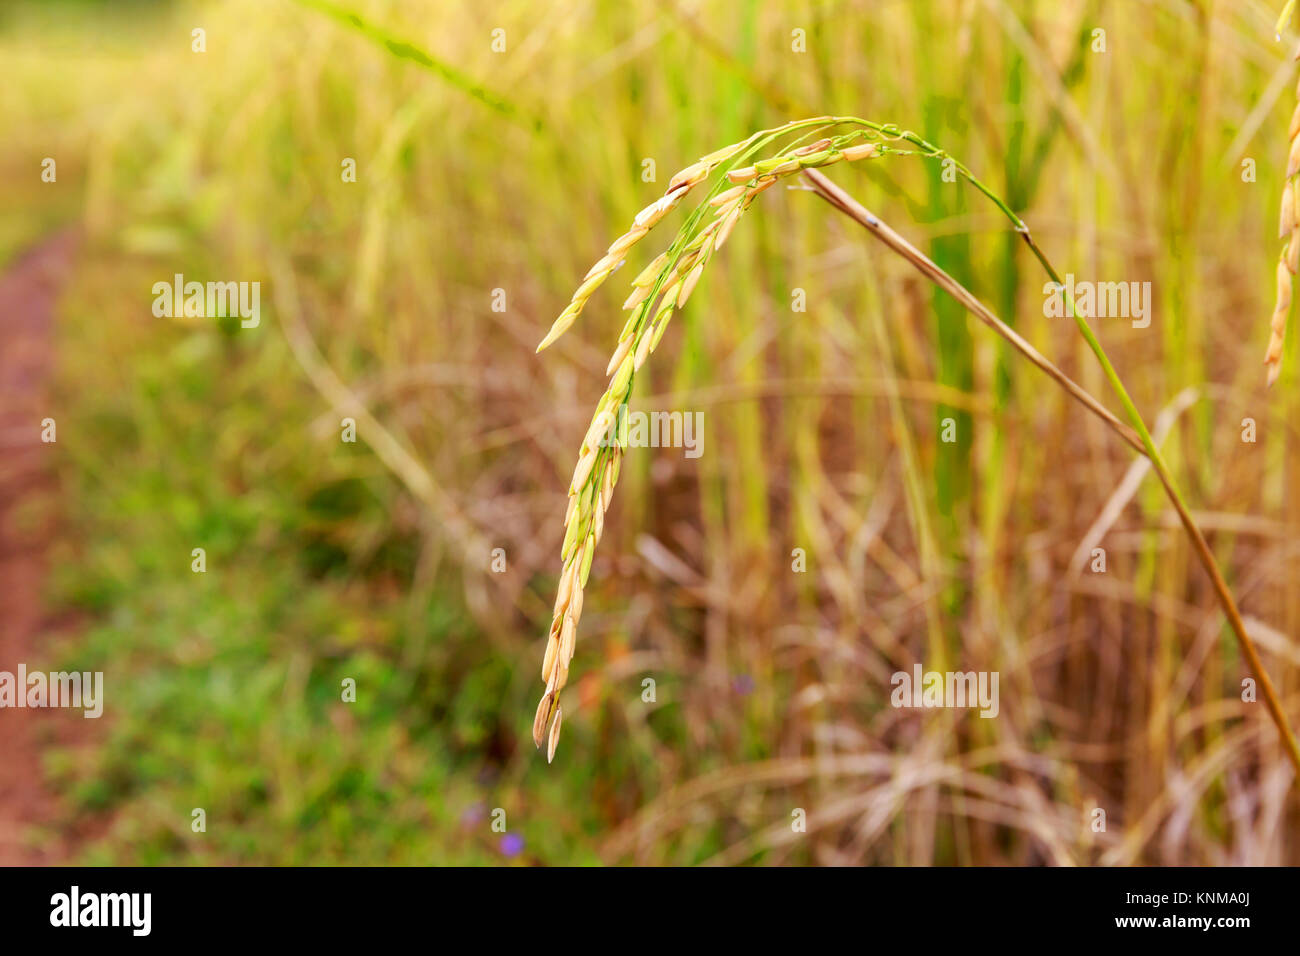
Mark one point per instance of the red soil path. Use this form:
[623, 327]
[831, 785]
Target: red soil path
[28, 291]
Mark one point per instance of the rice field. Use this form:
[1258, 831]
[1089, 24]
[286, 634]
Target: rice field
[897, 564]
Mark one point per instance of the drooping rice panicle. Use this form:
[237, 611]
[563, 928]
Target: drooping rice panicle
[680, 184]
[679, 269]
[657, 292]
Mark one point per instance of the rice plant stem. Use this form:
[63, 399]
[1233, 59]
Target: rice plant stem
[1143, 443]
[832, 193]
[1199, 543]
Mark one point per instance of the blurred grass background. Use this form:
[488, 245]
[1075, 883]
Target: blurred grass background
[1119, 691]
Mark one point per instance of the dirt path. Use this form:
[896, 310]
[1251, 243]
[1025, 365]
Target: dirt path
[28, 291]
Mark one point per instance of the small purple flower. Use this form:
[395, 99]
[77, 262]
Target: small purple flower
[472, 815]
[742, 684]
[512, 844]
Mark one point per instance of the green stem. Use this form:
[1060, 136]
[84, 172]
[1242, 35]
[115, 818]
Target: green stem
[1202, 548]
[1229, 604]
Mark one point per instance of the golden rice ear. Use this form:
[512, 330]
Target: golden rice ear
[559, 676]
[548, 662]
[721, 155]
[1286, 216]
[638, 295]
[1274, 370]
[582, 471]
[620, 353]
[622, 376]
[725, 229]
[820, 146]
[689, 176]
[646, 219]
[726, 196]
[1277, 326]
[688, 284]
[675, 273]
[607, 263]
[642, 351]
[575, 614]
[642, 332]
[651, 272]
[562, 324]
[862, 151]
[544, 710]
[588, 553]
[600, 426]
[564, 592]
[554, 738]
[567, 639]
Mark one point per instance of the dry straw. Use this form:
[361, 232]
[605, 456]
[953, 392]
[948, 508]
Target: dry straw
[665, 285]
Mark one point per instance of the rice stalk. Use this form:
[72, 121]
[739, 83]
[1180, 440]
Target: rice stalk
[673, 275]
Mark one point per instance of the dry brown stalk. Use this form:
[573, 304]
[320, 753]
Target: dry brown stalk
[842, 201]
